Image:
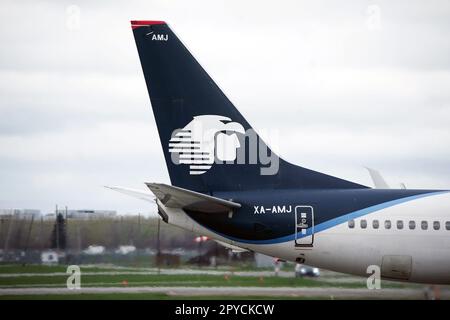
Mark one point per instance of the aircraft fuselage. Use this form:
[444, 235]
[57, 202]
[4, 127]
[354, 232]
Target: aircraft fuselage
[406, 233]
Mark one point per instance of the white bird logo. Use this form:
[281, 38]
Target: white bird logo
[203, 140]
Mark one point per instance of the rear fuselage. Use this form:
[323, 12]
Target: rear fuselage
[406, 233]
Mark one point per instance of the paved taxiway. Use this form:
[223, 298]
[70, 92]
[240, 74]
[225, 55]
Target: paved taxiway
[322, 292]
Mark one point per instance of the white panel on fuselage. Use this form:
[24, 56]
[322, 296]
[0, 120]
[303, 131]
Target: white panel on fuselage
[343, 249]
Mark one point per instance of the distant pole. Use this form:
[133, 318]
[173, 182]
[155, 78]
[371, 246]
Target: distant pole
[57, 229]
[41, 239]
[200, 253]
[78, 238]
[158, 246]
[8, 235]
[66, 222]
[139, 222]
[158, 241]
[216, 251]
[121, 229]
[65, 234]
[1, 229]
[138, 233]
[28, 237]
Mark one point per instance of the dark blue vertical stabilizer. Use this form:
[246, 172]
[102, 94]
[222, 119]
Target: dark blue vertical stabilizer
[182, 94]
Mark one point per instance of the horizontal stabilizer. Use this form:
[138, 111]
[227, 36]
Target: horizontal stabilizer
[175, 197]
[139, 194]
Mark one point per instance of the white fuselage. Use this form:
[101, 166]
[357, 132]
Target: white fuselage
[420, 254]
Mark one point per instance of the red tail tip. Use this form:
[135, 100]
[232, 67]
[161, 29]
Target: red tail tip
[145, 22]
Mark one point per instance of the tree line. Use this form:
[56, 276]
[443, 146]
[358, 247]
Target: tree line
[74, 234]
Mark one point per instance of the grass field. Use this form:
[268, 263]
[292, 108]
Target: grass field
[169, 280]
[54, 276]
[145, 296]
[37, 277]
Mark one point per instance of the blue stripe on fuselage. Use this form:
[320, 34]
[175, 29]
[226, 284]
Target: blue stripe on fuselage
[333, 222]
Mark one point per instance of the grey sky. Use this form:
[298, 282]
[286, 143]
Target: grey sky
[341, 90]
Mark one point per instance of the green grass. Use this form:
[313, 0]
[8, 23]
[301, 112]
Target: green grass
[169, 280]
[147, 296]
[175, 280]
[40, 278]
[31, 268]
[17, 268]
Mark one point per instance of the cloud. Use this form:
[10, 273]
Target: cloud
[75, 112]
[48, 101]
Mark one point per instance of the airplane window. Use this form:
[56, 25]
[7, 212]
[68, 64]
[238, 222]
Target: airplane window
[363, 224]
[447, 225]
[436, 225]
[351, 224]
[375, 224]
[387, 224]
[412, 225]
[399, 224]
[424, 225]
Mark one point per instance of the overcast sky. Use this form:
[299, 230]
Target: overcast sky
[343, 84]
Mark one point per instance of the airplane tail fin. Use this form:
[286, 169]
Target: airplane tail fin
[208, 145]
